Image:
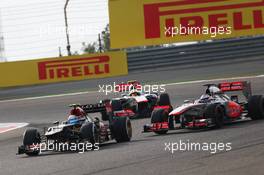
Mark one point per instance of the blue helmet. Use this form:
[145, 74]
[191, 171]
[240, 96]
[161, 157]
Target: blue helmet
[73, 119]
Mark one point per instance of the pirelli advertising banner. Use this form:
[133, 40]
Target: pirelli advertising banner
[154, 22]
[63, 69]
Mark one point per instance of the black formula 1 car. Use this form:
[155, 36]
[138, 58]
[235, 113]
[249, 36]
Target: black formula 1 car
[135, 104]
[212, 109]
[79, 128]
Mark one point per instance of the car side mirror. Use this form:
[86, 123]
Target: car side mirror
[124, 95]
[56, 123]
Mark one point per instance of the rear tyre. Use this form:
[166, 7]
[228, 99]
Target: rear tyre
[90, 133]
[159, 116]
[216, 113]
[256, 107]
[164, 100]
[105, 116]
[116, 105]
[31, 137]
[122, 129]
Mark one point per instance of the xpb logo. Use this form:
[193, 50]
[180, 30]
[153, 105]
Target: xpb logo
[78, 67]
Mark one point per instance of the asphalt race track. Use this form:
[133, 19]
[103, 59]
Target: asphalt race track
[145, 154]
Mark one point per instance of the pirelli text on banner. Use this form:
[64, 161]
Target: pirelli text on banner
[149, 22]
[71, 68]
[81, 67]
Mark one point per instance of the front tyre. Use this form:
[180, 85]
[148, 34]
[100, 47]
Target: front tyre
[159, 116]
[31, 137]
[122, 129]
[90, 132]
[216, 113]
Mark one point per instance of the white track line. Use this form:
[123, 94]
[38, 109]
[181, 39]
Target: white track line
[169, 84]
[48, 96]
[5, 127]
[218, 79]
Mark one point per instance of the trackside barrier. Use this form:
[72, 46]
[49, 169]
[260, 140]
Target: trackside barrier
[155, 22]
[191, 55]
[63, 69]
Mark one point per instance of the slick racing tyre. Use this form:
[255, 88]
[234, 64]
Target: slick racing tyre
[90, 132]
[122, 129]
[216, 113]
[31, 137]
[159, 116]
[256, 107]
[116, 105]
[164, 100]
[105, 116]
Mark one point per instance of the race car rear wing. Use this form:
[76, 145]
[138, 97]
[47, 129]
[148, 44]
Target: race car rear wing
[91, 108]
[94, 108]
[243, 86]
[126, 87]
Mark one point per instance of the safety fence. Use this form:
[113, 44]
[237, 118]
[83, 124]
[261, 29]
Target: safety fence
[242, 49]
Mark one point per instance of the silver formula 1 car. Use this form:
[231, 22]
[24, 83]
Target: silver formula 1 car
[212, 109]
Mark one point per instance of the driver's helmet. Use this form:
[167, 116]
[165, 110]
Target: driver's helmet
[134, 93]
[73, 119]
[132, 87]
[213, 90]
[79, 112]
[205, 97]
